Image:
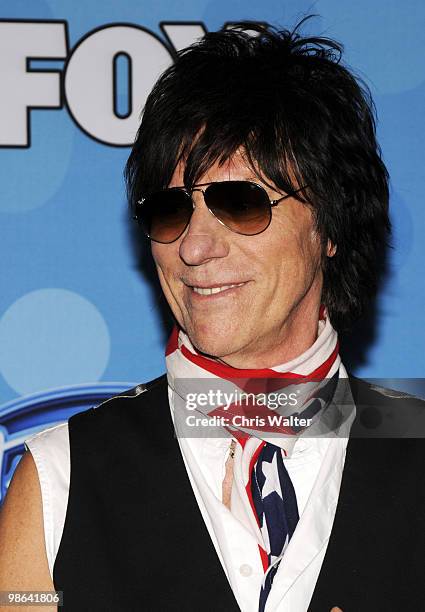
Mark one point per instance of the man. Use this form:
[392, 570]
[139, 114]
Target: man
[257, 177]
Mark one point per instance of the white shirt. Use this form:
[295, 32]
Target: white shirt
[315, 468]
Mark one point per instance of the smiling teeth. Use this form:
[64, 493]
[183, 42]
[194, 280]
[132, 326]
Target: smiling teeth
[211, 290]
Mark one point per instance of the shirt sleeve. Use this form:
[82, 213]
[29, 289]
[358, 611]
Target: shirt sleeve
[50, 451]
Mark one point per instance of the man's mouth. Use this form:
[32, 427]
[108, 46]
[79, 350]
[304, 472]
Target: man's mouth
[213, 290]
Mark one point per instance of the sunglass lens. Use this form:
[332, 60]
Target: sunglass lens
[164, 215]
[242, 206]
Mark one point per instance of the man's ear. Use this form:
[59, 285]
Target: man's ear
[330, 249]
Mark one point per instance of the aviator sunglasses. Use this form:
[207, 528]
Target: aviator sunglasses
[243, 207]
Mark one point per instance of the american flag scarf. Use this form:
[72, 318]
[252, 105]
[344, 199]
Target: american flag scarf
[312, 376]
[276, 508]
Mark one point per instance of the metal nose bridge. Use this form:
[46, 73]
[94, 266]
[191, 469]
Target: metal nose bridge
[190, 192]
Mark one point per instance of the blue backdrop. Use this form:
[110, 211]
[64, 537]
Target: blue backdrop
[77, 319]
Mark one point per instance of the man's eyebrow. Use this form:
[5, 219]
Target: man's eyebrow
[252, 177]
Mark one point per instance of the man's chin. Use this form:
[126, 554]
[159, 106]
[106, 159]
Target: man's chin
[214, 346]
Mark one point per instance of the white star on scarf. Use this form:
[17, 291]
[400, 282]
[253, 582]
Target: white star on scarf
[272, 483]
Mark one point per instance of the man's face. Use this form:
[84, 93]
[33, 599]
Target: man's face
[271, 315]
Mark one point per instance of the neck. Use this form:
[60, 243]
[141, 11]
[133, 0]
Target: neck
[295, 336]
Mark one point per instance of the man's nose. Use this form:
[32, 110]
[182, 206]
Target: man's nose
[205, 237]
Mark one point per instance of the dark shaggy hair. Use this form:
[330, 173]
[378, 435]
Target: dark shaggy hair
[300, 117]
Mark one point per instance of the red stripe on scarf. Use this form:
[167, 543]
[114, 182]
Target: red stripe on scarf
[229, 373]
[264, 558]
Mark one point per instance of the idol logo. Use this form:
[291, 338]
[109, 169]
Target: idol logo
[21, 418]
[103, 80]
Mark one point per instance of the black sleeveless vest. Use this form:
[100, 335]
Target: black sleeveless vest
[134, 538]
